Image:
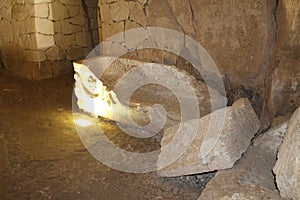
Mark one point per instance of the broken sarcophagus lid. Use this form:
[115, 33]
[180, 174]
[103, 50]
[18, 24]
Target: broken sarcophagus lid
[144, 96]
[213, 142]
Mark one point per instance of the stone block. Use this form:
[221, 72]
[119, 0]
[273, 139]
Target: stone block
[41, 10]
[287, 168]
[137, 13]
[19, 12]
[79, 20]
[75, 53]
[111, 30]
[57, 27]
[105, 15]
[73, 10]
[64, 41]
[183, 13]
[251, 177]
[58, 11]
[34, 56]
[159, 15]
[83, 39]
[119, 10]
[55, 53]
[44, 41]
[44, 26]
[61, 67]
[68, 27]
[221, 139]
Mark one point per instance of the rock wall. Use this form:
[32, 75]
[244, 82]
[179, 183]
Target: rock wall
[284, 82]
[40, 38]
[242, 38]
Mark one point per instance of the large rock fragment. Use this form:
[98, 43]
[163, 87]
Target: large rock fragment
[225, 146]
[287, 168]
[131, 86]
[251, 177]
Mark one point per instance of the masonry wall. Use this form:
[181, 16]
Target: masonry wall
[40, 38]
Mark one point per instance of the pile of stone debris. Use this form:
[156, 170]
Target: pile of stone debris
[273, 155]
[246, 163]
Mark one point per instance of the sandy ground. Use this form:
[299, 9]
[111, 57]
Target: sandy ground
[42, 157]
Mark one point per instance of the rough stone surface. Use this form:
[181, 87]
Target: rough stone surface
[225, 26]
[284, 78]
[83, 39]
[41, 10]
[75, 52]
[260, 38]
[154, 92]
[58, 11]
[35, 56]
[251, 177]
[44, 41]
[55, 53]
[44, 26]
[119, 10]
[65, 41]
[19, 12]
[287, 168]
[240, 125]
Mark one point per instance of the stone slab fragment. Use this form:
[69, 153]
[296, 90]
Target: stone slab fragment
[251, 177]
[223, 147]
[287, 168]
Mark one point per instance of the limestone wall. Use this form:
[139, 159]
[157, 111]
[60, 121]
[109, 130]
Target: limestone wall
[40, 38]
[241, 36]
[284, 74]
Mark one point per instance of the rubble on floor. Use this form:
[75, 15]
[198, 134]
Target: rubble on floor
[251, 177]
[227, 145]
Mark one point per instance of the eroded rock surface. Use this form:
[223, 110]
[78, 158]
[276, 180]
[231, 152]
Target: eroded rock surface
[287, 168]
[211, 148]
[284, 95]
[251, 177]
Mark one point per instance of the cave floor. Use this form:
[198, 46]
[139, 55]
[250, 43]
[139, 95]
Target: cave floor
[42, 157]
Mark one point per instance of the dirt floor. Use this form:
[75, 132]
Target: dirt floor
[42, 157]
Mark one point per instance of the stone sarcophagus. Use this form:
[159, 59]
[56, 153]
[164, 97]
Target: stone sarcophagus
[146, 97]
